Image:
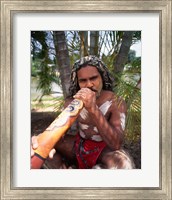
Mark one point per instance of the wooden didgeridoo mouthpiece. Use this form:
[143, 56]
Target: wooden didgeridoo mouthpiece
[54, 132]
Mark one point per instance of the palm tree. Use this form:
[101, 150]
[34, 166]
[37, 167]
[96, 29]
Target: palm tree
[83, 43]
[63, 60]
[122, 55]
[94, 41]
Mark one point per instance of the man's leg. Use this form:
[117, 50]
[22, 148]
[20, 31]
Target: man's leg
[65, 147]
[64, 156]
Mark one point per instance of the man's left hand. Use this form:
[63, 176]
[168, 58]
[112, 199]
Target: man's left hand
[88, 97]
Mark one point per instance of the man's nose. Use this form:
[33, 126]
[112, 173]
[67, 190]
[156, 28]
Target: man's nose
[89, 84]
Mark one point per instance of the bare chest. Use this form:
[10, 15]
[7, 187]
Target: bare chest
[86, 125]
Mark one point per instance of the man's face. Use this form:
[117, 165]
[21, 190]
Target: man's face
[89, 77]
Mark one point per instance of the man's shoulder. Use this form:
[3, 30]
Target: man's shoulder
[110, 95]
[117, 101]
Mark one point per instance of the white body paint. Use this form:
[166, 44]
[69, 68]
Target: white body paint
[84, 114]
[122, 118]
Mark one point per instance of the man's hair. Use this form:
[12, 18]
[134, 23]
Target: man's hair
[92, 61]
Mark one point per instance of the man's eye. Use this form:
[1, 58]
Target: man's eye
[81, 81]
[93, 78]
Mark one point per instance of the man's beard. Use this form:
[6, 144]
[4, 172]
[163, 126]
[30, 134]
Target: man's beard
[96, 91]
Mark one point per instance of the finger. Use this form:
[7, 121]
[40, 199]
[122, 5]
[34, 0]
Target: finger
[51, 154]
[79, 96]
[32, 152]
[88, 90]
[85, 89]
[82, 96]
[63, 166]
[85, 93]
[34, 142]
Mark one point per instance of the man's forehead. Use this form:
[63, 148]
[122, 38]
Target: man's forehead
[88, 70]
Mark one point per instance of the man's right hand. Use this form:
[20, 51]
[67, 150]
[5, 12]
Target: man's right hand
[35, 145]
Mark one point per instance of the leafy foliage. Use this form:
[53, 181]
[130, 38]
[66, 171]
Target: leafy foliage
[132, 97]
[43, 66]
[126, 87]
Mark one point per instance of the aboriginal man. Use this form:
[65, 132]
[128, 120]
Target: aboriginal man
[97, 142]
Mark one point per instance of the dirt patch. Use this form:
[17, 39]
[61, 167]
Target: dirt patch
[40, 121]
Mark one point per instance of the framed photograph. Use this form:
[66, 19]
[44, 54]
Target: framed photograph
[153, 20]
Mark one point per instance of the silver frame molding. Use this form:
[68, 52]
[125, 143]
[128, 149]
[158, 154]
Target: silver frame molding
[8, 10]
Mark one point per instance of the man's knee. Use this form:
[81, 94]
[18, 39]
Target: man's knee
[119, 159]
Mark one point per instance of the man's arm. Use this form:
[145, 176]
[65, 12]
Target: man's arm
[111, 130]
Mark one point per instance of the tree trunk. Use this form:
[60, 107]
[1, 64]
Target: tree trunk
[94, 41]
[84, 43]
[122, 56]
[63, 60]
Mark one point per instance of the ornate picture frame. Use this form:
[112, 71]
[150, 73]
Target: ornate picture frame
[8, 10]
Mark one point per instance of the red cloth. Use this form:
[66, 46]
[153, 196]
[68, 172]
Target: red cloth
[87, 152]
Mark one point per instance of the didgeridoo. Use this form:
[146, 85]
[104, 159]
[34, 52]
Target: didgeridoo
[48, 139]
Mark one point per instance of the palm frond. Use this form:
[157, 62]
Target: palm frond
[132, 96]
